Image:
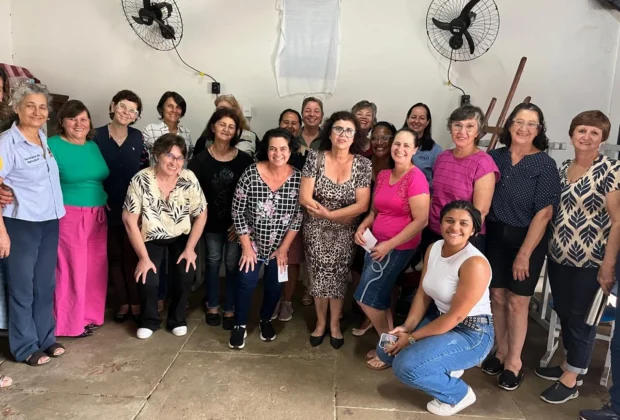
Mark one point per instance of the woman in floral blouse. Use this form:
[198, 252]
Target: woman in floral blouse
[173, 213]
[267, 217]
[588, 214]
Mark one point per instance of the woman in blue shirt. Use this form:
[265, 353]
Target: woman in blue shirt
[29, 228]
[419, 120]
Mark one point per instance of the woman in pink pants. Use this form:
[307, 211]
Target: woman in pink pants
[82, 269]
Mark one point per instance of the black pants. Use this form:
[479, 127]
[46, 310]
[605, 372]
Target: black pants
[504, 242]
[573, 290]
[122, 260]
[180, 284]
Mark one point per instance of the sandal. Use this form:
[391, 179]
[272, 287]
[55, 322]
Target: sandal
[86, 333]
[377, 364]
[371, 354]
[91, 327]
[307, 300]
[35, 358]
[3, 379]
[52, 351]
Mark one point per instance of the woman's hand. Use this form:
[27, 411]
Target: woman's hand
[359, 236]
[142, 269]
[232, 234]
[606, 277]
[319, 212]
[247, 260]
[379, 251]
[281, 256]
[6, 195]
[189, 255]
[521, 267]
[5, 245]
[401, 343]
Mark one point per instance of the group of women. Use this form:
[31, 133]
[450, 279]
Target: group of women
[88, 204]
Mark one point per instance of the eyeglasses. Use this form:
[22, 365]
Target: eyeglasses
[171, 157]
[377, 139]
[470, 128]
[123, 107]
[347, 132]
[530, 125]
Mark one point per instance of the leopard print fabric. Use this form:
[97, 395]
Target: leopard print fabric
[329, 245]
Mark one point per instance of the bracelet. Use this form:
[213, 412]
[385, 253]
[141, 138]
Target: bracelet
[411, 339]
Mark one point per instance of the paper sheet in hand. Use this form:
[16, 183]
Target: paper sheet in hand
[283, 275]
[370, 239]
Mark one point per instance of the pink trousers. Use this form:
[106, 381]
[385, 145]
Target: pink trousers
[82, 270]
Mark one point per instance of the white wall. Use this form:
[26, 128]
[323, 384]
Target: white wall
[90, 52]
[6, 37]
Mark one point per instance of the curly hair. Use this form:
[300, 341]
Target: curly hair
[324, 139]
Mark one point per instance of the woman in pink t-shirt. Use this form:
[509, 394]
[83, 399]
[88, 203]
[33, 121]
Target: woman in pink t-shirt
[398, 214]
[463, 173]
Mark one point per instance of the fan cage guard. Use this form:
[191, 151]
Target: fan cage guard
[483, 29]
[151, 35]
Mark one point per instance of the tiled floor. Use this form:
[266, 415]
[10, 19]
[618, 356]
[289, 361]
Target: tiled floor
[113, 375]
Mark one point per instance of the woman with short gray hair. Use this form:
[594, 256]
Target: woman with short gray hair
[463, 173]
[29, 228]
[365, 113]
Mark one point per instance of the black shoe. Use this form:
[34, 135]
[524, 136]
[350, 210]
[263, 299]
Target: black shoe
[228, 323]
[213, 319]
[554, 374]
[91, 327]
[267, 333]
[336, 342]
[603, 413]
[492, 366]
[120, 318]
[316, 341]
[559, 393]
[237, 337]
[86, 333]
[509, 381]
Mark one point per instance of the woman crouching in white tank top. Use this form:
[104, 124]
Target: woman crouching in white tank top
[433, 349]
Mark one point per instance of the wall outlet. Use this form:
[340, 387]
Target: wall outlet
[215, 88]
[247, 111]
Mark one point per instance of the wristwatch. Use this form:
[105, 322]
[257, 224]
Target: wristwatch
[411, 339]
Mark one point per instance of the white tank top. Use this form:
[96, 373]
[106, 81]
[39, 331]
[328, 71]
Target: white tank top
[442, 278]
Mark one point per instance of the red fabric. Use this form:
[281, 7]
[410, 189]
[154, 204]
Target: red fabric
[16, 71]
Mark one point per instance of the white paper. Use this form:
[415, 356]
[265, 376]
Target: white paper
[283, 275]
[308, 56]
[370, 239]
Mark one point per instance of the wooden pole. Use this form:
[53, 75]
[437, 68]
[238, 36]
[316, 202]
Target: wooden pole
[486, 118]
[511, 93]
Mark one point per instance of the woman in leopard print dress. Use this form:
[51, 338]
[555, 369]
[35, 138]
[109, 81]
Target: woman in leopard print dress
[335, 190]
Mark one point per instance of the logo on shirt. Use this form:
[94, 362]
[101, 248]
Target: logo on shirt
[1, 164]
[423, 157]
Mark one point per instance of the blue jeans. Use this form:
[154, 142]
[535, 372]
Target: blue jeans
[218, 248]
[245, 289]
[426, 364]
[378, 278]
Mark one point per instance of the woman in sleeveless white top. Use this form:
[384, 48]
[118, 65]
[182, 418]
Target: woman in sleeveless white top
[435, 347]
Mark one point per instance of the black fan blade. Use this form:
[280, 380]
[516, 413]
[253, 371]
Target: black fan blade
[470, 41]
[468, 8]
[167, 31]
[146, 4]
[441, 25]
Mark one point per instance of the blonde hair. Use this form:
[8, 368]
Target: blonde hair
[243, 123]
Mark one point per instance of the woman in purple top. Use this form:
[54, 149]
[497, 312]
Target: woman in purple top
[463, 173]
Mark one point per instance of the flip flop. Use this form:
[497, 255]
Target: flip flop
[383, 366]
[371, 354]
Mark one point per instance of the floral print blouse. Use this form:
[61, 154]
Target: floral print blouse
[161, 218]
[265, 215]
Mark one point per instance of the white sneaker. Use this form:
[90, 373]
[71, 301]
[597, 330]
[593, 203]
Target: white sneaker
[179, 331]
[442, 409]
[457, 373]
[144, 333]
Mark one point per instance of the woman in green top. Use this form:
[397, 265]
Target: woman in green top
[82, 269]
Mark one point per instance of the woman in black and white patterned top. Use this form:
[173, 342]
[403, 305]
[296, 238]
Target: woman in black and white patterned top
[267, 217]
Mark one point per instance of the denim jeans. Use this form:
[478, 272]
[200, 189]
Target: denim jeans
[245, 289]
[573, 290]
[379, 277]
[218, 248]
[426, 364]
